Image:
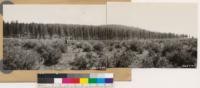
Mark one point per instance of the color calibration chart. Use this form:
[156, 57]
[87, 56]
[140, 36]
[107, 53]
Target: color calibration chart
[92, 80]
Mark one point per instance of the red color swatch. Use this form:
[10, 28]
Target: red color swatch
[70, 80]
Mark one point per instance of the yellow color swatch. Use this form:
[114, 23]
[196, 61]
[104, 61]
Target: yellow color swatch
[83, 80]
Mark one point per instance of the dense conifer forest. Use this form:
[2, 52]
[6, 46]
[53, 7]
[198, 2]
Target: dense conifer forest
[81, 32]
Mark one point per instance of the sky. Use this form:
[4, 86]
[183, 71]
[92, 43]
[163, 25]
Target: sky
[180, 18]
[65, 14]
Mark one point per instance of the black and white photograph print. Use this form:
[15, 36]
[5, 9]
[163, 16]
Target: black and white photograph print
[84, 37]
[155, 35]
[40, 37]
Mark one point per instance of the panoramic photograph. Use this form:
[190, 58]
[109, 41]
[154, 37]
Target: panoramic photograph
[84, 37]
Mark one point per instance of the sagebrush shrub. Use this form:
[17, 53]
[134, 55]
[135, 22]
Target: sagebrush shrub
[19, 59]
[79, 44]
[135, 46]
[163, 63]
[124, 59]
[179, 53]
[50, 55]
[170, 47]
[11, 43]
[60, 45]
[54, 57]
[154, 60]
[117, 46]
[79, 63]
[84, 62]
[99, 46]
[193, 52]
[86, 46]
[30, 45]
[147, 63]
[102, 60]
[180, 58]
[154, 46]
